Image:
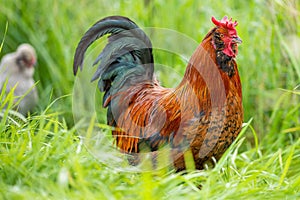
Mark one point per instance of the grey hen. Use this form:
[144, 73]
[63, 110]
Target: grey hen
[18, 69]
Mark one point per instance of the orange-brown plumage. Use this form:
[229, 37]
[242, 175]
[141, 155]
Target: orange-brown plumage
[203, 113]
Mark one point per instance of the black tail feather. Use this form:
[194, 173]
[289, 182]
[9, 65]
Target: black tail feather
[109, 25]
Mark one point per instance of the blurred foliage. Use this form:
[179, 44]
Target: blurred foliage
[266, 62]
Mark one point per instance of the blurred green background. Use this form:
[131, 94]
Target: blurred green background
[268, 60]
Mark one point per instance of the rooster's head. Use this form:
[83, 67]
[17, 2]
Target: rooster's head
[225, 37]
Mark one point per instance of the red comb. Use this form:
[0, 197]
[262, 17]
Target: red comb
[225, 23]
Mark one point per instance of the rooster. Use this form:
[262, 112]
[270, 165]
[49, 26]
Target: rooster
[203, 114]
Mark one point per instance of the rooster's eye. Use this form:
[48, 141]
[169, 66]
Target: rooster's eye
[221, 35]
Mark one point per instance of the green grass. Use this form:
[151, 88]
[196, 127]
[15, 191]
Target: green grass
[43, 157]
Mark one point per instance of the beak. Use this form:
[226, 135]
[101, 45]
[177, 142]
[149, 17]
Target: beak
[33, 62]
[237, 40]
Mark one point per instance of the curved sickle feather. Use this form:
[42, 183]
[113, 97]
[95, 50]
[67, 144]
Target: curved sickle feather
[108, 25]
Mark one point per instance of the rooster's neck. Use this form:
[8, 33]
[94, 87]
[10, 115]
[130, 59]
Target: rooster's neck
[204, 72]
